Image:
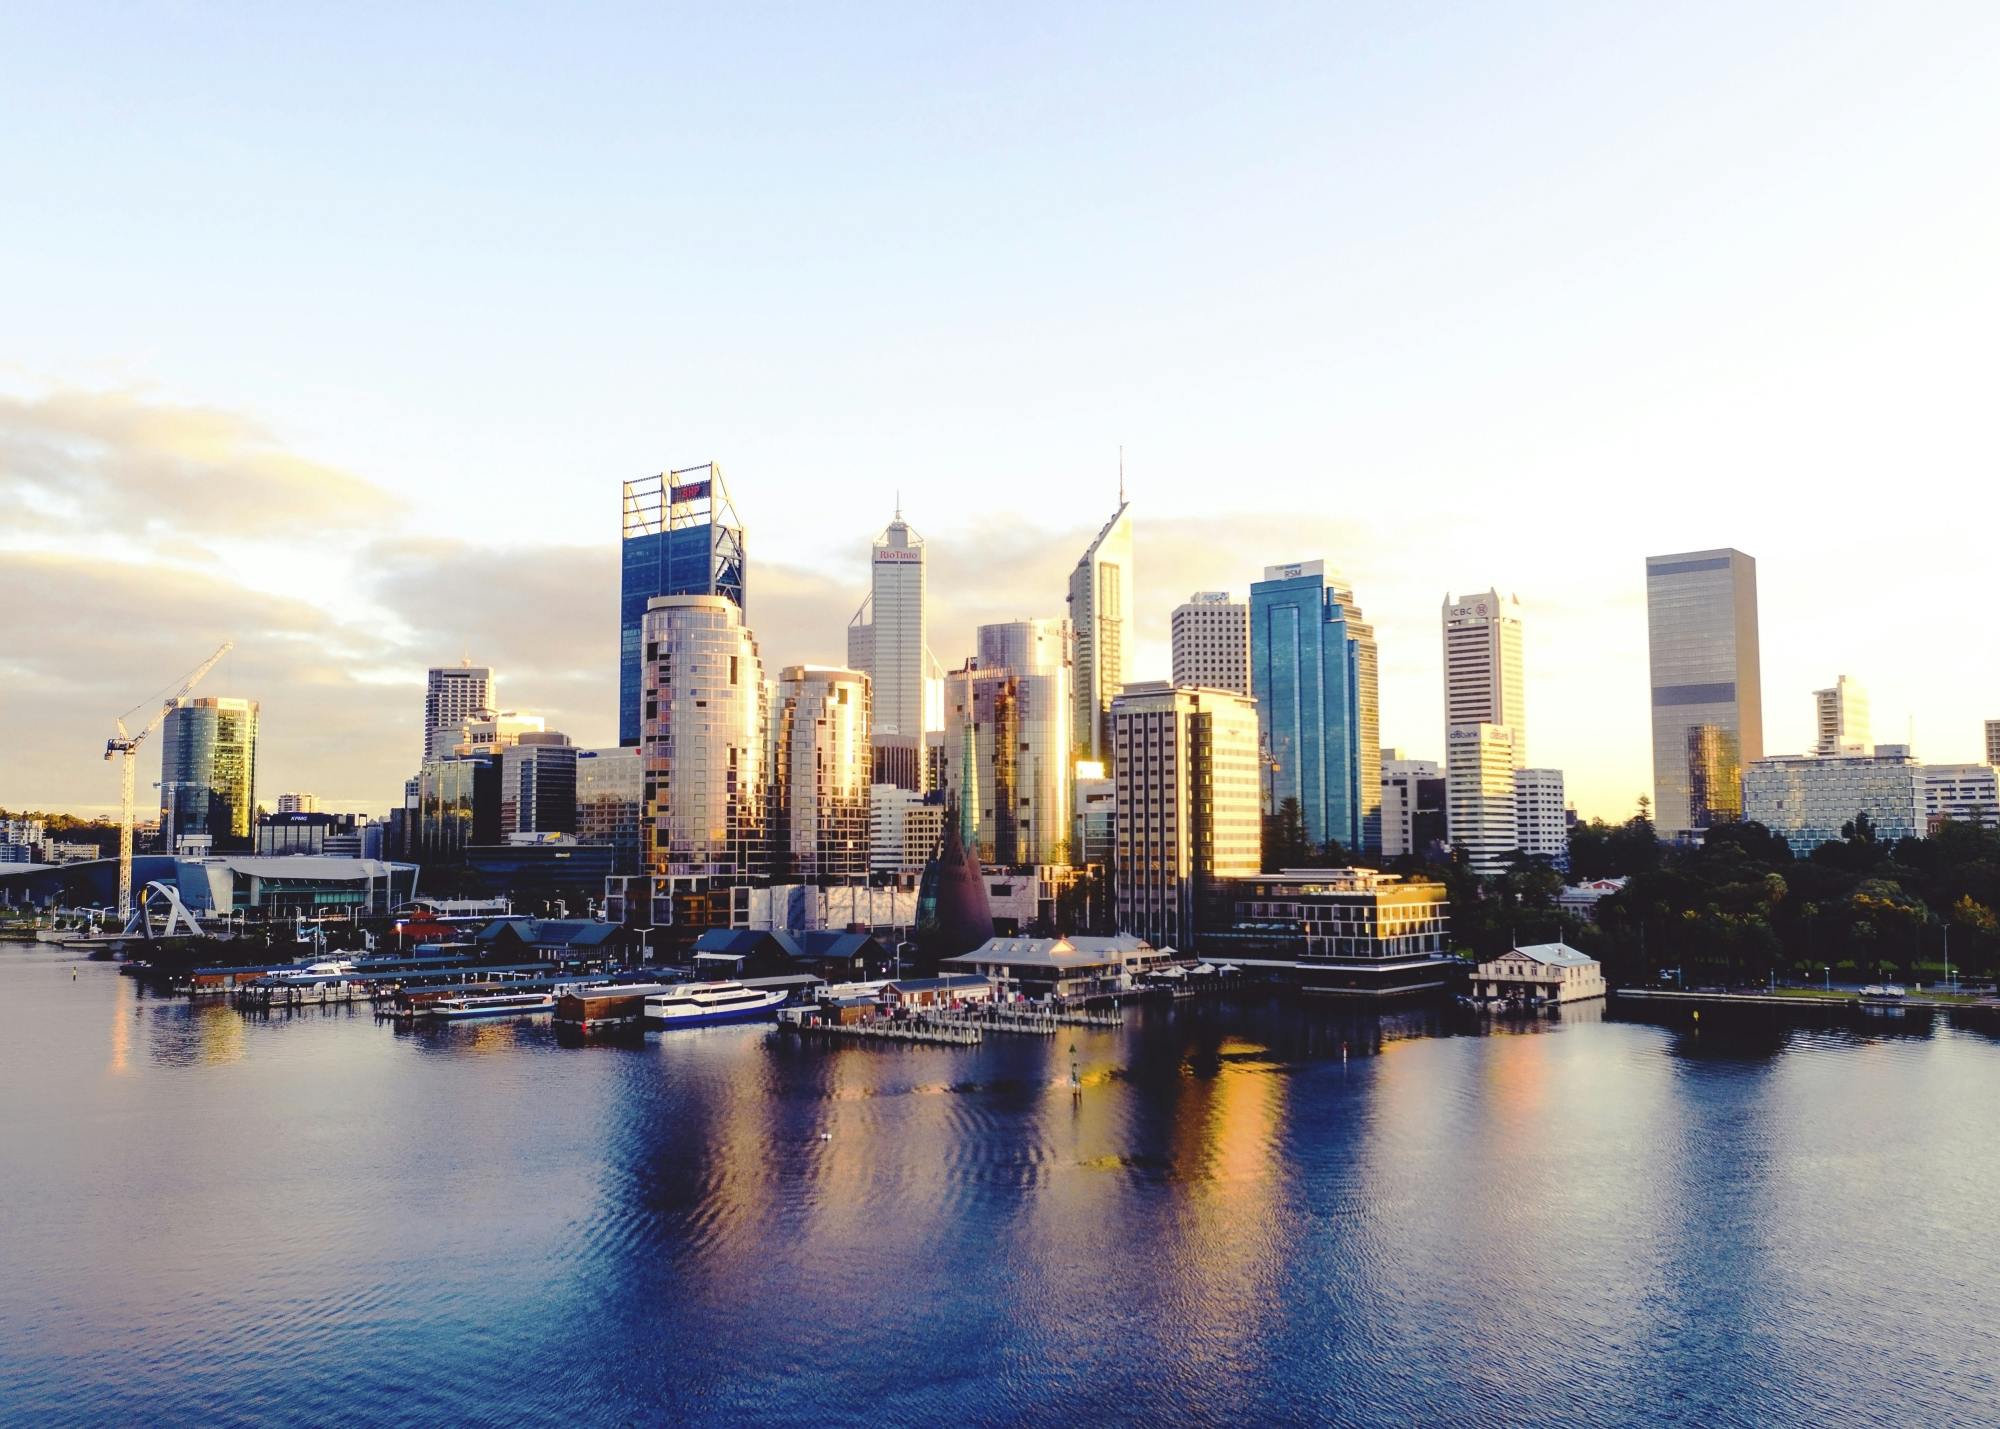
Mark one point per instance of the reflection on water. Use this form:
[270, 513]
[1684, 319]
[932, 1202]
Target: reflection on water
[1269, 1212]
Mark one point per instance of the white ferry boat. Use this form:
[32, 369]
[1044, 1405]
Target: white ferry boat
[491, 1004]
[312, 972]
[699, 1004]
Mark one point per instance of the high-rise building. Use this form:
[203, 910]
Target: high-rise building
[1541, 815]
[1211, 635]
[1707, 693]
[298, 803]
[889, 640]
[538, 784]
[682, 537]
[904, 828]
[1095, 816]
[1185, 767]
[1479, 795]
[1315, 675]
[457, 805]
[1993, 742]
[1840, 716]
[453, 696]
[704, 741]
[1808, 799]
[1413, 804]
[610, 792]
[1482, 664]
[1962, 794]
[1007, 742]
[821, 717]
[490, 733]
[1101, 613]
[208, 771]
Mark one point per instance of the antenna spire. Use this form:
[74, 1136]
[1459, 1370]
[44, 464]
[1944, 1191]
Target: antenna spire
[1121, 473]
[899, 503]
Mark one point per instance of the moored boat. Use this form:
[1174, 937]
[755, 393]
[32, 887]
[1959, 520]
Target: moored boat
[491, 1004]
[699, 1004]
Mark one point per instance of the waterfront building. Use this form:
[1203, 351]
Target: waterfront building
[1961, 793]
[1007, 743]
[1101, 612]
[1211, 642]
[1541, 815]
[1351, 931]
[454, 695]
[298, 803]
[208, 771]
[1481, 808]
[704, 723]
[1707, 692]
[1413, 804]
[1540, 972]
[1066, 969]
[532, 865]
[822, 775]
[681, 537]
[904, 828]
[1482, 665]
[889, 640]
[1095, 816]
[1840, 718]
[610, 793]
[1313, 670]
[1187, 808]
[1808, 799]
[538, 784]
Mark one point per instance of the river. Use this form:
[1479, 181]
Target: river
[1256, 1212]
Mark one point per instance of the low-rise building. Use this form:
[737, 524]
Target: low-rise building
[1341, 930]
[1961, 793]
[1067, 969]
[1582, 899]
[949, 990]
[1540, 972]
[1807, 799]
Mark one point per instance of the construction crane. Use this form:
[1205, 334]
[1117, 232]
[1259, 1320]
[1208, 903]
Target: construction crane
[125, 747]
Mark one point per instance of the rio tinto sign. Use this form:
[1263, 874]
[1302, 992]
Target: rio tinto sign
[898, 558]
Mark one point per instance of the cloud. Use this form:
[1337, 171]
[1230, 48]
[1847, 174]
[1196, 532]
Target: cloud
[117, 462]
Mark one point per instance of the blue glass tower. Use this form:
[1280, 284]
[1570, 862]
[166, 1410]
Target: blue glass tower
[1308, 666]
[682, 537]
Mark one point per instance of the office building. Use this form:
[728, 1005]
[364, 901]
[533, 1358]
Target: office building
[1482, 664]
[1840, 716]
[1413, 805]
[889, 641]
[682, 537]
[487, 733]
[1541, 815]
[1707, 692]
[1993, 742]
[1808, 799]
[1094, 815]
[1313, 670]
[1101, 612]
[610, 793]
[904, 829]
[821, 787]
[538, 784]
[1211, 642]
[1187, 806]
[1480, 807]
[1961, 794]
[208, 772]
[1352, 931]
[1006, 743]
[704, 742]
[298, 803]
[453, 696]
[457, 806]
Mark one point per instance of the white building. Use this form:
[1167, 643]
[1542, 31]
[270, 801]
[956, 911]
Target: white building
[889, 637]
[1961, 793]
[1188, 803]
[1095, 815]
[1582, 899]
[1482, 665]
[489, 733]
[1840, 718]
[904, 828]
[1542, 814]
[1993, 742]
[1541, 972]
[1101, 613]
[1479, 795]
[454, 695]
[1807, 799]
[1405, 784]
[1211, 642]
[298, 803]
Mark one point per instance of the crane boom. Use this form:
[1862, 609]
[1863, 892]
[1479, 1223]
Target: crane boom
[125, 748]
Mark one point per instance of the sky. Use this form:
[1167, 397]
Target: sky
[334, 332]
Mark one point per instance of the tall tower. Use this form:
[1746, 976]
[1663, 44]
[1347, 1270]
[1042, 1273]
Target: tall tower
[1707, 692]
[208, 771]
[453, 695]
[1482, 665]
[682, 537]
[821, 718]
[889, 641]
[1100, 614]
[1211, 642]
[1840, 717]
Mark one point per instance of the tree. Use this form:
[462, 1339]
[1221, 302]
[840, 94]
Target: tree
[1285, 841]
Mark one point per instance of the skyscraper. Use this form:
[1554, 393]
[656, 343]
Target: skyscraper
[538, 784]
[889, 641]
[1840, 715]
[1707, 693]
[822, 778]
[453, 695]
[1008, 740]
[208, 771]
[1482, 665]
[1480, 806]
[1315, 674]
[682, 537]
[704, 742]
[1211, 642]
[1101, 614]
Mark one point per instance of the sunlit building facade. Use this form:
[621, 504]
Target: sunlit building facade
[1707, 693]
[1211, 642]
[904, 829]
[1840, 718]
[1101, 613]
[681, 537]
[1809, 799]
[889, 641]
[1541, 815]
[208, 771]
[1483, 682]
[453, 696]
[1007, 741]
[822, 720]
[1961, 794]
[610, 792]
[1480, 806]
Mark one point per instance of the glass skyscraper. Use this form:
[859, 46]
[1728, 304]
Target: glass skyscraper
[821, 719]
[1707, 694]
[1315, 673]
[208, 771]
[1100, 615]
[682, 537]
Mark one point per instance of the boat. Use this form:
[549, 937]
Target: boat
[1883, 995]
[310, 972]
[491, 1004]
[699, 1004]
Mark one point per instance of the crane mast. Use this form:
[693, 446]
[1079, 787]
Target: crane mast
[124, 748]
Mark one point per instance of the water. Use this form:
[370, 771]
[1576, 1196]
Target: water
[211, 1217]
